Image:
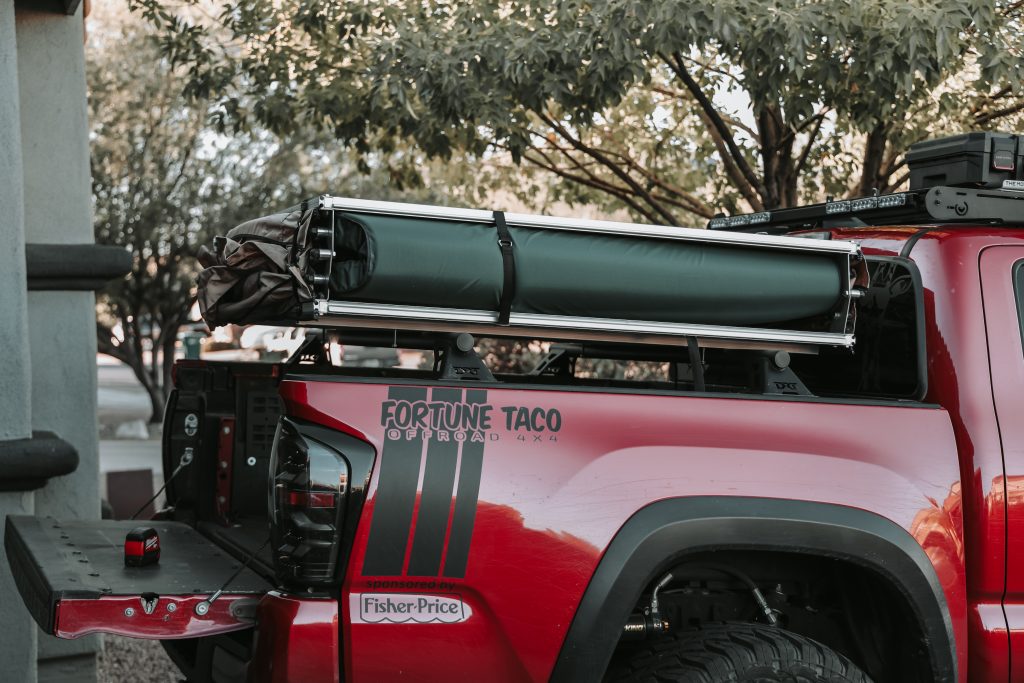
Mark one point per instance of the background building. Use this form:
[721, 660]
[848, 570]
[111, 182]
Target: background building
[49, 268]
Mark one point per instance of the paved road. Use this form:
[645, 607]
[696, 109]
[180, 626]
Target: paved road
[121, 399]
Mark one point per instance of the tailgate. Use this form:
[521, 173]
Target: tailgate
[73, 580]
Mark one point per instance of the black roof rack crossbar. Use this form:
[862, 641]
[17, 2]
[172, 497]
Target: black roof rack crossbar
[935, 205]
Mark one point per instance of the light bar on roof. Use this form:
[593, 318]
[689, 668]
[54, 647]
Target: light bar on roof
[888, 201]
[843, 206]
[738, 221]
[830, 208]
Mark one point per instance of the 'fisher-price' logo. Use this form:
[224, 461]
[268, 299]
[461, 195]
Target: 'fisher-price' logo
[402, 608]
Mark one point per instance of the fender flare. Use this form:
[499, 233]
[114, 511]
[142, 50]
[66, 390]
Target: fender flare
[662, 533]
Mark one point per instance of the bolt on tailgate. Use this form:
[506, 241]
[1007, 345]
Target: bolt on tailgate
[73, 580]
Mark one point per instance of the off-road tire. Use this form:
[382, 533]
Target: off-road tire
[734, 653]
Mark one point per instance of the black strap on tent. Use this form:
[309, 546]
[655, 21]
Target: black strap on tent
[508, 264]
[696, 366]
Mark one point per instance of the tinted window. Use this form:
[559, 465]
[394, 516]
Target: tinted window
[1018, 287]
[887, 360]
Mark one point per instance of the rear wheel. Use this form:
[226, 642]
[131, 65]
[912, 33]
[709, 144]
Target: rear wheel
[734, 653]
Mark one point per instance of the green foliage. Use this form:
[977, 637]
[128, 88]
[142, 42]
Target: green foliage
[148, 174]
[626, 103]
[166, 180]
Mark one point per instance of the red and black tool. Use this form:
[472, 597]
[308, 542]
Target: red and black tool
[141, 547]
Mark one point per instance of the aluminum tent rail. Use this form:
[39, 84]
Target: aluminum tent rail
[338, 313]
[329, 202]
[386, 316]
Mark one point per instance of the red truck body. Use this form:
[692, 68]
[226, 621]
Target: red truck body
[974, 321]
[551, 503]
[507, 531]
[945, 473]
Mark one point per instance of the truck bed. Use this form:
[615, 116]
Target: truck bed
[478, 486]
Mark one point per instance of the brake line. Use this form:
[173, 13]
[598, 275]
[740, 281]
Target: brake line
[759, 598]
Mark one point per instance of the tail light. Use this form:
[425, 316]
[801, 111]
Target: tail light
[312, 497]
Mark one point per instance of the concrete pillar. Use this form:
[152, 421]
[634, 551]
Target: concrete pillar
[61, 325]
[18, 639]
[58, 210]
[15, 417]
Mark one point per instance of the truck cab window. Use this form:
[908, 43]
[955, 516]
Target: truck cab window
[888, 359]
[1018, 288]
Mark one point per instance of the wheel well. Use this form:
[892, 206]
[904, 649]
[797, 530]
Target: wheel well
[848, 607]
[669, 532]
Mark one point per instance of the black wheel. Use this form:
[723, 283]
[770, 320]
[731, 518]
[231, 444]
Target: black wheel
[733, 653]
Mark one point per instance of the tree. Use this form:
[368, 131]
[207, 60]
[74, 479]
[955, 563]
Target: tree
[627, 103]
[165, 181]
[147, 173]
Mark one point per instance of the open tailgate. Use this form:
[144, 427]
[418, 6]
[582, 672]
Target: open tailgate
[72, 577]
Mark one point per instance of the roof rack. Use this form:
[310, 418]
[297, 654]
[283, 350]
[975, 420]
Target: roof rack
[941, 204]
[334, 312]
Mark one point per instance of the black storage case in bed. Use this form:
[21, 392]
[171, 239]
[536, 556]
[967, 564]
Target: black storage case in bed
[980, 159]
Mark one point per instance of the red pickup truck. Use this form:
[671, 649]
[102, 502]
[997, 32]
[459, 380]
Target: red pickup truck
[840, 516]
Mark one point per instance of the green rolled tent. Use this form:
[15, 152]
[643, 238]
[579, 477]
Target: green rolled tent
[414, 261]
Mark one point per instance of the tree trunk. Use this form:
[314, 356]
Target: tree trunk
[874, 154]
[156, 403]
[779, 167]
[153, 390]
[169, 345]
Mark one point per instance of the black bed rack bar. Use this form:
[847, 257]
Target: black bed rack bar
[940, 204]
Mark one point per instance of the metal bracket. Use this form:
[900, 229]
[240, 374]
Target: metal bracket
[560, 361]
[458, 361]
[311, 350]
[777, 378]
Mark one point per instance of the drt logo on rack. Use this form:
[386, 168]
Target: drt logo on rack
[453, 423]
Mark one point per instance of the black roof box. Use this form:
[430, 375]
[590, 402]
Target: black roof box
[979, 159]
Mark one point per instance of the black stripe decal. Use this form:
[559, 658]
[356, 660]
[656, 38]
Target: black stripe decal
[396, 496]
[465, 502]
[436, 497]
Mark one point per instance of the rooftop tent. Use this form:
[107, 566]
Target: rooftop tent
[423, 262]
[342, 261]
